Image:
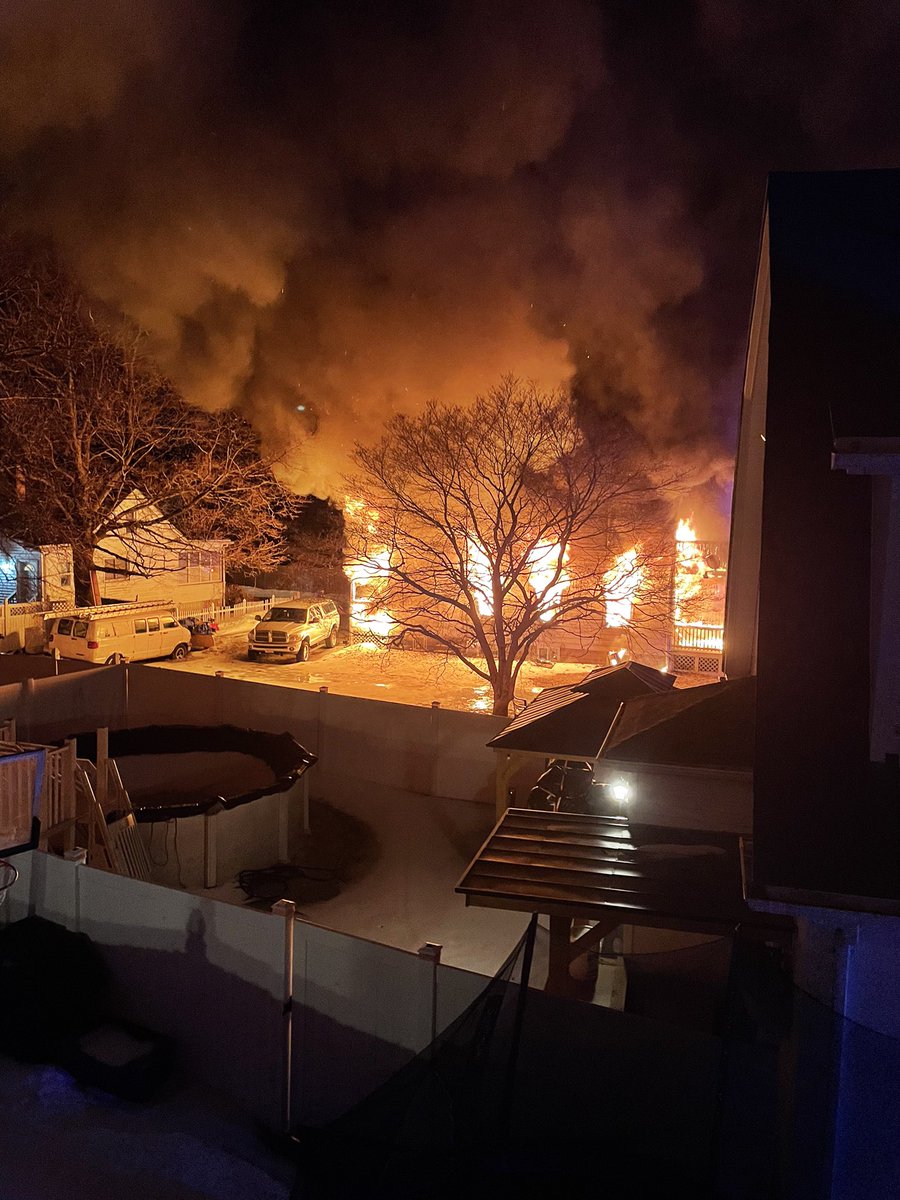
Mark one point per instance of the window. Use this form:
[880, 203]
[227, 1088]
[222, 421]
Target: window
[114, 567]
[198, 565]
[140, 626]
[64, 626]
[169, 623]
[79, 629]
[153, 624]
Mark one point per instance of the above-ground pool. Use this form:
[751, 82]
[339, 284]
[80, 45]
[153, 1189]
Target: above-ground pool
[212, 800]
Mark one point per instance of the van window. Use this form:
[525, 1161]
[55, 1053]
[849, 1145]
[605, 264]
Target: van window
[140, 626]
[79, 629]
[64, 625]
[153, 624]
[169, 623]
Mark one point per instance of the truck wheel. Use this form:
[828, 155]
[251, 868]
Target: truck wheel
[112, 660]
[331, 640]
[303, 652]
[180, 652]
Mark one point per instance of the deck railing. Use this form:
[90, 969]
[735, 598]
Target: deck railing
[697, 636]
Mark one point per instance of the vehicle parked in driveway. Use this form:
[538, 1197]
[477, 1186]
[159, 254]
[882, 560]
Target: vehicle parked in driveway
[291, 628]
[111, 633]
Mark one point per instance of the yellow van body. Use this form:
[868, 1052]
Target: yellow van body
[114, 633]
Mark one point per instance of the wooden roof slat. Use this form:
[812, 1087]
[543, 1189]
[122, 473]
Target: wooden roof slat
[572, 895]
[573, 838]
[528, 817]
[536, 861]
[587, 850]
[562, 860]
[591, 880]
[651, 870]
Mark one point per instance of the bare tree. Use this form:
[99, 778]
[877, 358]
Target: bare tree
[486, 526]
[96, 443]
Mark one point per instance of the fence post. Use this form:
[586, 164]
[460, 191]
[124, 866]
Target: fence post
[435, 747]
[322, 726]
[431, 952]
[27, 704]
[287, 910]
[211, 845]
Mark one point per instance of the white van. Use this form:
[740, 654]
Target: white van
[114, 633]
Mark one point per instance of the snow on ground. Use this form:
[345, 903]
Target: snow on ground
[403, 676]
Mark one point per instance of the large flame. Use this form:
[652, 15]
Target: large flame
[621, 584]
[548, 577]
[690, 570]
[690, 567]
[367, 574]
[478, 573]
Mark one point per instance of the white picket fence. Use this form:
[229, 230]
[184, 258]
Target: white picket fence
[230, 614]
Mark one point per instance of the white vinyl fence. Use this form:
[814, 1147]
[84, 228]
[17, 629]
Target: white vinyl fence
[211, 975]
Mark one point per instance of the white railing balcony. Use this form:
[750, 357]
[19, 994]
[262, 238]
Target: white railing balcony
[697, 636]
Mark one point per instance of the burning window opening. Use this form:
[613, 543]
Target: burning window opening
[621, 585]
[368, 576]
[547, 576]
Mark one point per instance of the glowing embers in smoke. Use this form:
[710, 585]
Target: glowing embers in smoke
[547, 576]
[621, 584]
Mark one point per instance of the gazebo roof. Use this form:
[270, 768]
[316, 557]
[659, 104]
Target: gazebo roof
[572, 721]
[711, 726]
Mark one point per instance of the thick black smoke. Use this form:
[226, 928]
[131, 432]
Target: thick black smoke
[329, 212]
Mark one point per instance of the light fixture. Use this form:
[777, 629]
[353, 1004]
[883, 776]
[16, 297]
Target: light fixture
[620, 791]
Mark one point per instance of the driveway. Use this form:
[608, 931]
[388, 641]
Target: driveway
[403, 676]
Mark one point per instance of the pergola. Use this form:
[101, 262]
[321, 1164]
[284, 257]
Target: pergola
[605, 871]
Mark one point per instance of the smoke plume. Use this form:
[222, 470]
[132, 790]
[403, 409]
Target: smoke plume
[328, 213]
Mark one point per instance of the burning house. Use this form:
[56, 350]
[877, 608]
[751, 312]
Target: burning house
[663, 606]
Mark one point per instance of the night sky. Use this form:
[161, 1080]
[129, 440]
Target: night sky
[354, 206]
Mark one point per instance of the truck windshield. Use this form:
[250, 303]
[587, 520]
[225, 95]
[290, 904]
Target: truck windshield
[285, 614]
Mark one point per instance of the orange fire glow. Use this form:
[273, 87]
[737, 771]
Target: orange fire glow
[690, 571]
[621, 584]
[367, 574]
[548, 578]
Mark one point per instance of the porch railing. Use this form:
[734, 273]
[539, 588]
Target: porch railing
[697, 636]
